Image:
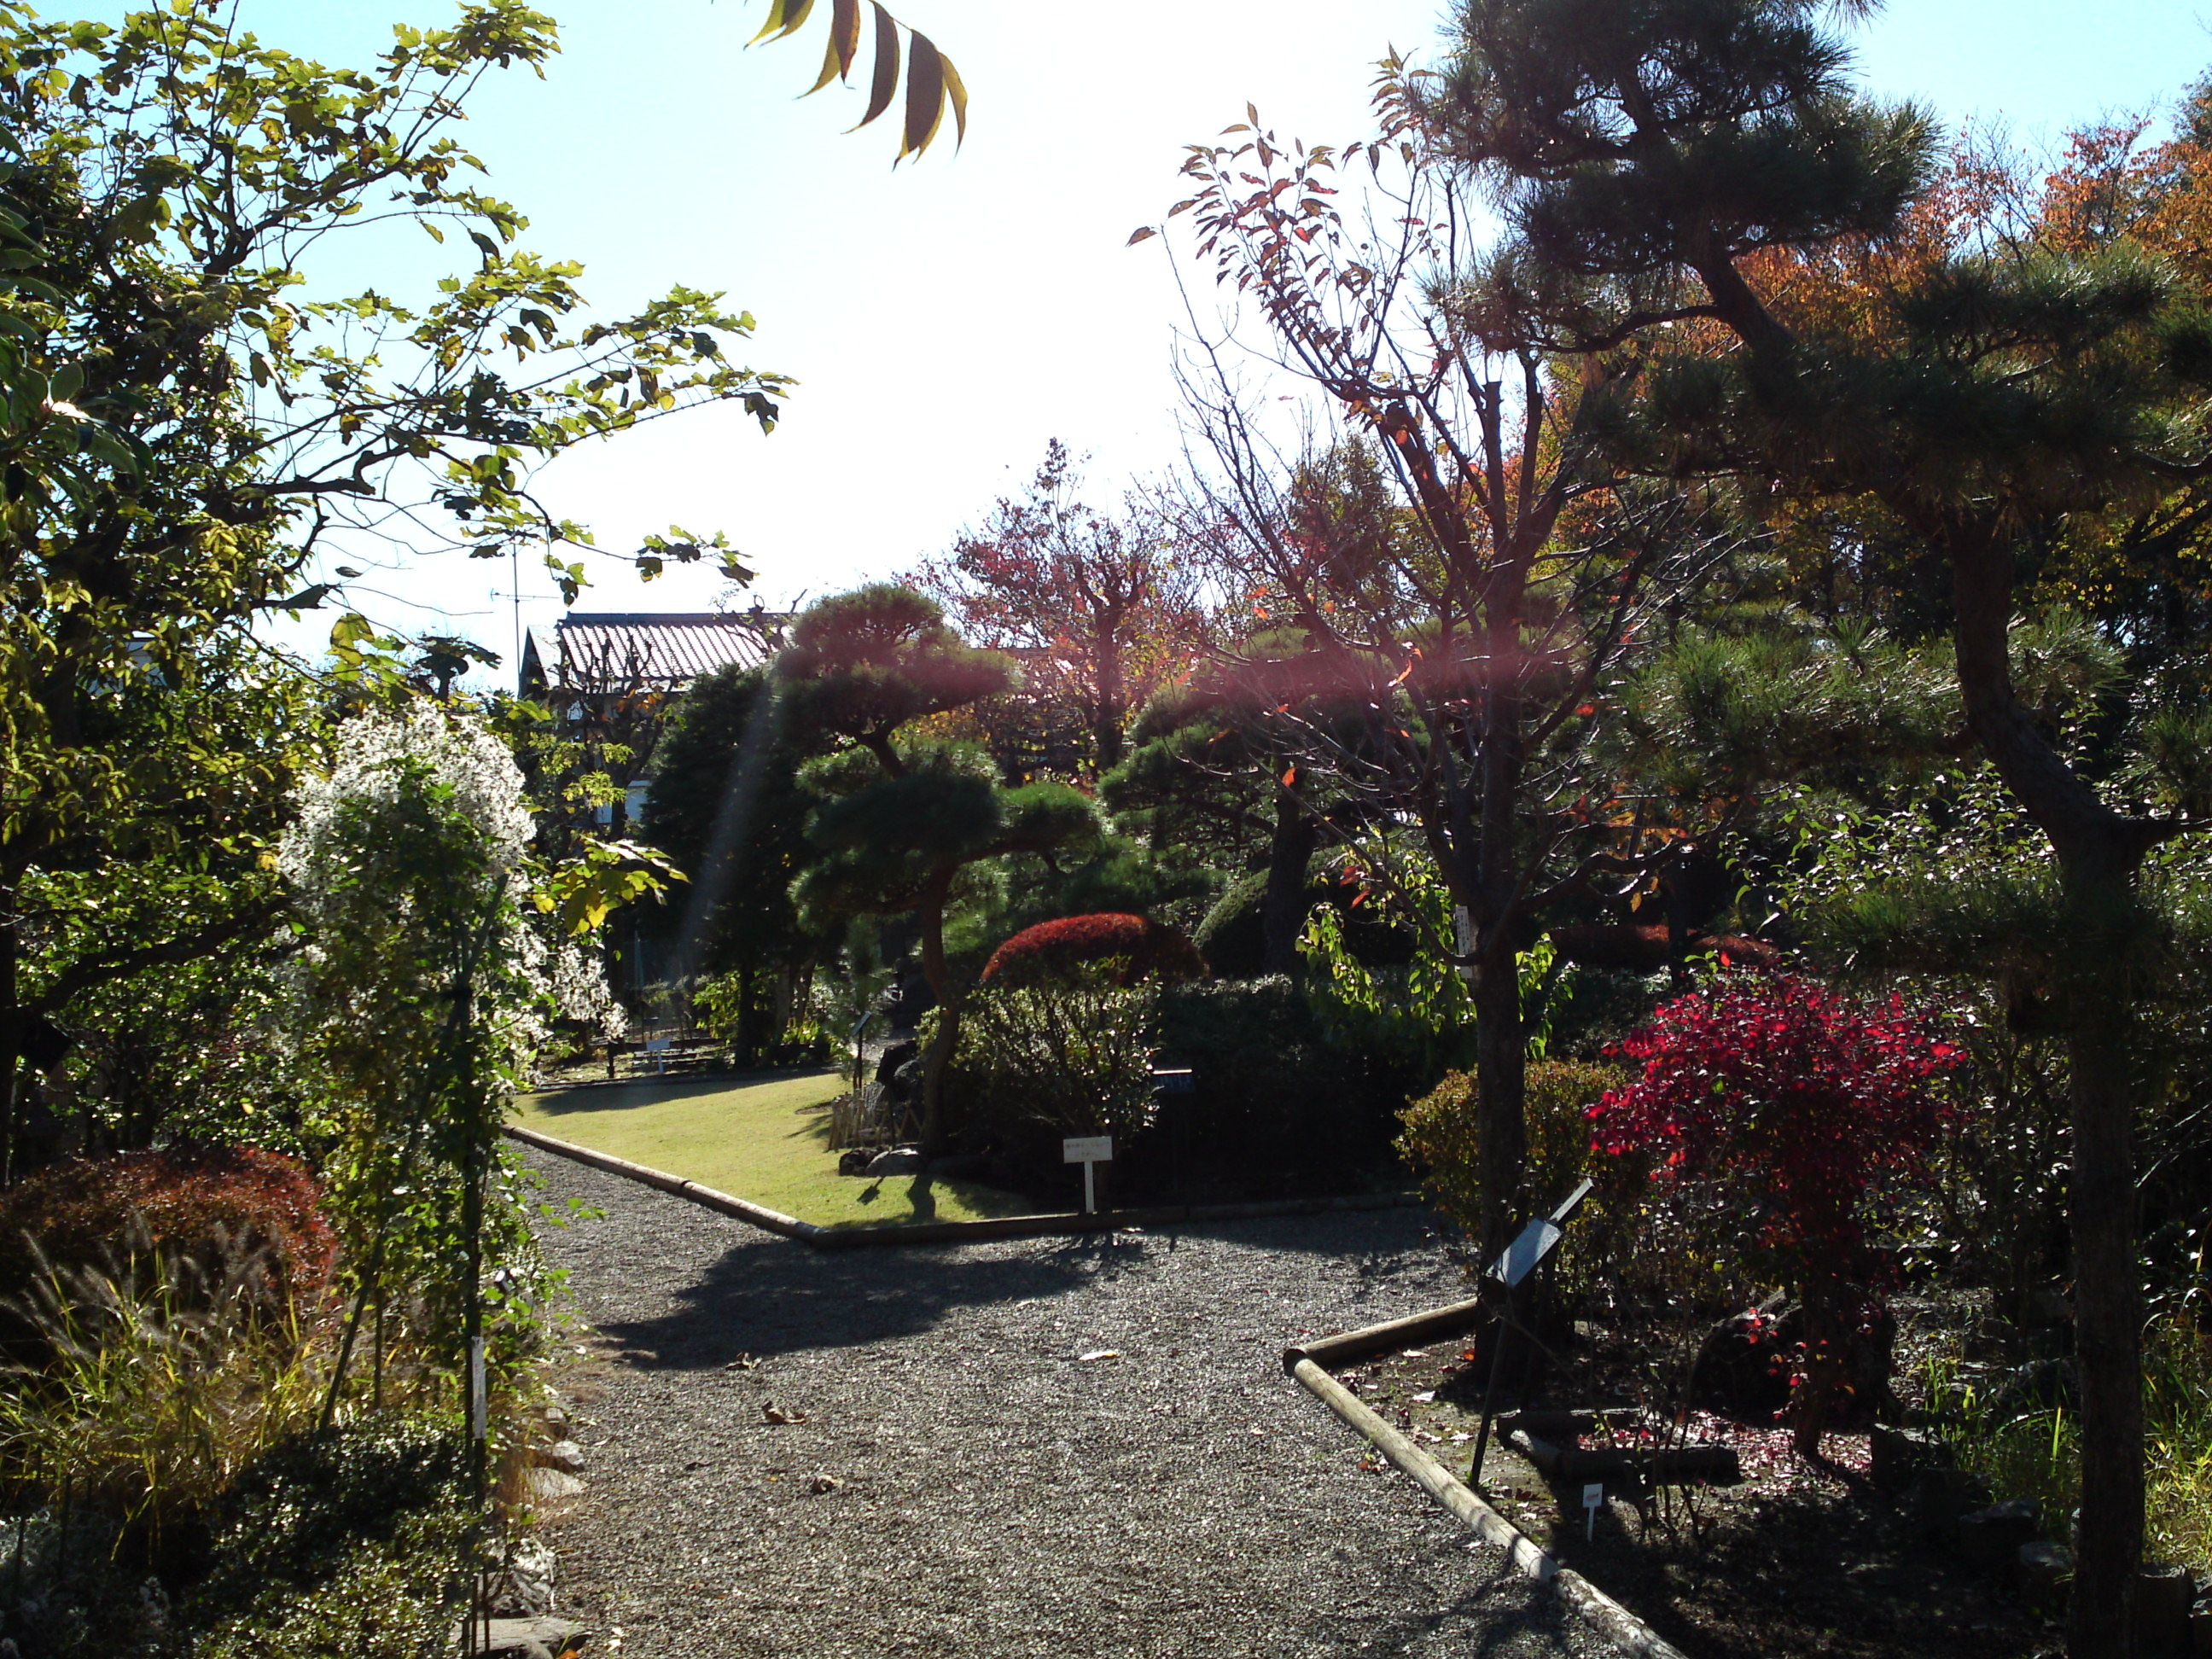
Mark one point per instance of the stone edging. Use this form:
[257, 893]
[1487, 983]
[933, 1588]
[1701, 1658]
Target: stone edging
[941, 1232]
[1627, 1632]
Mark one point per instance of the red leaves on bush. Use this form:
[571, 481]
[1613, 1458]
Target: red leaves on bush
[1801, 1097]
[1147, 950]
[193, 1202]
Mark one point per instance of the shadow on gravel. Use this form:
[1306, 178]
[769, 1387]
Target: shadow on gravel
[1497, 1616]
[772, 1297]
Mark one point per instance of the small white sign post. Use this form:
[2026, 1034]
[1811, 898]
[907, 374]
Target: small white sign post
[1089, 1151]
[1592, 1500]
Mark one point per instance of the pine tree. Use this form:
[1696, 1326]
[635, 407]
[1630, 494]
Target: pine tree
[1654, 158]
[900, 816]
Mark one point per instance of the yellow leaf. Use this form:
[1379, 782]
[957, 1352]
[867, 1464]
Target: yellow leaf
[957, 90]
[783, 17]
[1142, 233]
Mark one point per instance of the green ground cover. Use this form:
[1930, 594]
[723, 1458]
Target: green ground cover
[764, 1138]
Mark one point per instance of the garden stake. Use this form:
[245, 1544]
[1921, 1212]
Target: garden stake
[1490, 1392]
[1531, 1248]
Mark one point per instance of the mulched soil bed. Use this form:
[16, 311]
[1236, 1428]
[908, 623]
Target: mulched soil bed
[1793, 1560]
[1039, 1447]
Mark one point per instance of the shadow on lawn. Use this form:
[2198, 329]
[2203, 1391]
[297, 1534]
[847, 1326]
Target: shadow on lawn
[633, 1092]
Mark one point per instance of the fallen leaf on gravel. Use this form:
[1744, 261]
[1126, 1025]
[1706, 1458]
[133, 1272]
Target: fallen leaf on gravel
[821, 1483]
[775, 1414]
[1100, 1353]
[744, 1362]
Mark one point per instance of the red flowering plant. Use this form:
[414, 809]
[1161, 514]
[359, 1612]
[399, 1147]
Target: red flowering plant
[1812, 1111]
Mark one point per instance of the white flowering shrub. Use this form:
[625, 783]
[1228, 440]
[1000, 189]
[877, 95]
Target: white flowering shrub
[422, 811]
[421, 988]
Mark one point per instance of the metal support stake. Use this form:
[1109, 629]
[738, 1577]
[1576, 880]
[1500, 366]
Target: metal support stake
[1505, 1322]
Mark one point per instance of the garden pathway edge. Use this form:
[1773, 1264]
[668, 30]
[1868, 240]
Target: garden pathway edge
[942, 1232]
[1606, 1617]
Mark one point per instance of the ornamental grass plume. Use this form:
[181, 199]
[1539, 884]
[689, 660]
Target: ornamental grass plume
[1812, 1111]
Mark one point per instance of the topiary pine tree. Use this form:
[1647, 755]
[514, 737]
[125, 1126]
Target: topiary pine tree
[897, 822]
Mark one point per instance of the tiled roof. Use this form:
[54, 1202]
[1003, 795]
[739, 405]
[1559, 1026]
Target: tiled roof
[616, 651]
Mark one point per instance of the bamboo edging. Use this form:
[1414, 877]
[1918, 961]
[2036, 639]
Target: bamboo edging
[1614, 1623]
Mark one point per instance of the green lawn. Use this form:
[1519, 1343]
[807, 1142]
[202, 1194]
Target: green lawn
[765, 1138]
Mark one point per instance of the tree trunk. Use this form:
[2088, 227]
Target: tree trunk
[2099, 853]
[1113, 702]
[1283, 905]
[939, 1056]
[11, 1036]
[2107, 1304]
[1501, 1094]
[748, 1035]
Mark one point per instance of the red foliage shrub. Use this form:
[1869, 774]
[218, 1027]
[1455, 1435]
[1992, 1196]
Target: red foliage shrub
[1802, 1101]
[1803, 1097]
[1145, 950]
[213, 1206]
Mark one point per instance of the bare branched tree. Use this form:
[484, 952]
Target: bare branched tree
[1445, 553]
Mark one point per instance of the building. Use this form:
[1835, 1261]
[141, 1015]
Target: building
[610, 678]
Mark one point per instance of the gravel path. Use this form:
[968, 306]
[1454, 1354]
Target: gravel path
[1000, 1493]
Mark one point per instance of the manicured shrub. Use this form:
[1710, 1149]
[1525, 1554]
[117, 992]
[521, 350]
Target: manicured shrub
[1443, 1143]
[1276, 1108]
[1136, 948]
[1069, 1054]
[211, 1207]
[1792, 1113]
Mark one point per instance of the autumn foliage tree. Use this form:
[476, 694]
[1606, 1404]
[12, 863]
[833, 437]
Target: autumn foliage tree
[1102, 608]
[1454, 566]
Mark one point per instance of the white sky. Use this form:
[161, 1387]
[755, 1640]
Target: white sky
[946, 319]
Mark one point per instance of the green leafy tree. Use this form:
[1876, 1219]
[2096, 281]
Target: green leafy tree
[138, 941]
[724, 755]
[901, 816]
[189, 425]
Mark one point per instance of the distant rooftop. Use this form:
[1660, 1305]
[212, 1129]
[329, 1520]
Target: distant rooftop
[599, 653]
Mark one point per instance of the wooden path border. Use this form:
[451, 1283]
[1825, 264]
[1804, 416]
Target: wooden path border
[1622, 1629]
